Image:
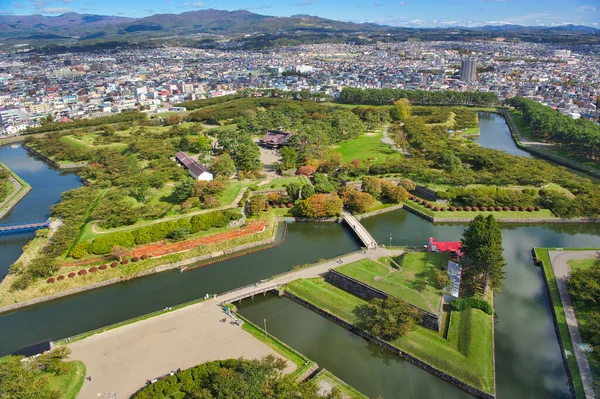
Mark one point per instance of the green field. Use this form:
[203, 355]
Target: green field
[541, 214]
[414, 282]
[466, 354]
[70, 383]
[279, 182]
[524, 129]
[563, 333]
[366, 146]
[324, 377]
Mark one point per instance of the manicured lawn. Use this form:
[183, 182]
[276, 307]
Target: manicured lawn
[70, 383]
[470, 131]
[542, 255]
[414, 282]
[280, 182]
[229, 194]
[577, 264]
[368, 145]
[466, 354]
[523, 127]
[328, 379]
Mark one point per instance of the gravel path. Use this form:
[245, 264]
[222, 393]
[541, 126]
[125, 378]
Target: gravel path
[560, 266]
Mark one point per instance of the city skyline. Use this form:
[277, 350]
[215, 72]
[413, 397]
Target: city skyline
[433, 13]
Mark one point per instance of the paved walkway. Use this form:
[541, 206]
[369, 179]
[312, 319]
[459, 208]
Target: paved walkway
[362, 233]
[122, 360]
[560, 266]
[17, 187]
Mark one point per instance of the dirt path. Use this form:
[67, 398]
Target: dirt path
[16, 189]
[560, 266]
[122, 360]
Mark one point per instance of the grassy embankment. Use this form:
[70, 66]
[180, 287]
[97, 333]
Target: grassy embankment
[466, 354]
[559, 312]
[10, 187]
[366, 146]
[326, 378]
[440, 215]
[41, 288]
[414, 281]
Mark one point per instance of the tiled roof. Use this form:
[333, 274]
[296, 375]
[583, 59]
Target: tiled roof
[191, 165]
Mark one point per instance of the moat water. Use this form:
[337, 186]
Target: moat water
[528, 360]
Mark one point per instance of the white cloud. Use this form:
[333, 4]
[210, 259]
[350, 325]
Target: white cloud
[196, 4]
[586, 8]
[66, 1]
[55, 10]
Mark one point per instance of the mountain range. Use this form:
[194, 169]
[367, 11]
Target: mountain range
[73, 28]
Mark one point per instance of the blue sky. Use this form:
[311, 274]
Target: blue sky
[416, 13]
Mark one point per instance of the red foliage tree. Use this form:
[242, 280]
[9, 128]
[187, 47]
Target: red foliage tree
[460, 208]
[498, 208]
[72, 274]
[135, 259]
[82, 272]
[484, 208]
[114, 264]
[537, 209]
[51, 280]
[475, 209]
[60, 278]
[103, 267]
[515, 208]
[144, 257]
[306, 170]
[453, 209]
[124, 262]
[468, 208]
[93, 269]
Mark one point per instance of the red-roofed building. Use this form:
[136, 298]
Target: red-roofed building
[447, 246]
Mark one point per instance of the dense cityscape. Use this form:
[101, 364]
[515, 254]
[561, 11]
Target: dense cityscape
[87, 85]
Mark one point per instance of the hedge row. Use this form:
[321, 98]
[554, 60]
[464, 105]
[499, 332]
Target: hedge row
[156, 232]
[474, 208]
[95, 269]
[471, 303]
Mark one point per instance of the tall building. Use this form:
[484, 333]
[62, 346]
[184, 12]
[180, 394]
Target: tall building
[561, 53]
[468, 69]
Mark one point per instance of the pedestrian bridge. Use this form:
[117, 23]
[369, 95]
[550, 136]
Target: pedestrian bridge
[362, 233]
[14, 228]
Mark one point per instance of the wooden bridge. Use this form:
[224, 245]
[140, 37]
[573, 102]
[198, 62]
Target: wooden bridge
[362, 233]
[14, 228]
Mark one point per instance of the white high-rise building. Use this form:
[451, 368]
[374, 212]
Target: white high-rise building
[468, 69]
[561, 53]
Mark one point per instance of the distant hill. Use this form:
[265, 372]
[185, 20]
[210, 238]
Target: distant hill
[82, 30]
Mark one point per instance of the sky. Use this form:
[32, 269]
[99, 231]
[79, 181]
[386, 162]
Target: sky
[413, 13]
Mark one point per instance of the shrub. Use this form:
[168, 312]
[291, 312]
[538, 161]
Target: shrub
[468, 208]
[103, 267]
[475, 209]
[529, 209]
[290, 205]
[51, 280]
[523, 209]
[506, 208]
[135, 259]
[71, 275]
[114, 264]
[484, 208]
[515, 208]
[144, 257]
[124, 262]
[413, 198]
[430, 206]
[282, 205]
[453, 208]
[79, 251]
[537, 209]
[443, 208]
[82, 272]
[471, 303]
[460, 208]
[93, 269]
[499, 208]
[253, 187]
[419, 200]
[425, 202]
[102, 245]
[436, 208]
[60, 278]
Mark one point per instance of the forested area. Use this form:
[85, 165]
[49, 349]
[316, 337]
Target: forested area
[576, 136]
[351, 95]
[79, 123]
[235, 378]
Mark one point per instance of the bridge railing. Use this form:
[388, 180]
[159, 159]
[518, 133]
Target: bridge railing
[24, 224]
[248, 294]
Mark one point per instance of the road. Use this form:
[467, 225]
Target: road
[560, 266]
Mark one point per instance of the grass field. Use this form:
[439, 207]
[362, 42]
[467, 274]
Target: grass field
[523, 127]
[324, 377]
[366, 146]
[72, 141]
[414, 282]
[466, 354]
[279, 182]
[10, 186]
[542, 255]
[70, 383]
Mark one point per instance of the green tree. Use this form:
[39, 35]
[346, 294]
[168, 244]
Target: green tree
[584, 284]
[293, 190]
[388, 319]
[482, 248]
[289, 156]
[371, 185]
[357, 201]
[183, 190]
[223, 166]
[307, 191]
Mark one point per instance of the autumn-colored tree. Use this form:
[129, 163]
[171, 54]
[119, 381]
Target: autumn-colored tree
[371, 185]
[392, 193]
[306, 170]
[404, 108]
[355, 163]
[321, 205]
[257, 204]
[118, 251]
[273, 197]
[357, 201]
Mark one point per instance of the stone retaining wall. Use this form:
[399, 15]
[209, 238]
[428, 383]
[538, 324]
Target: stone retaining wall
[366, 292]
[157, 269]
[425, 192]
[410, 358]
